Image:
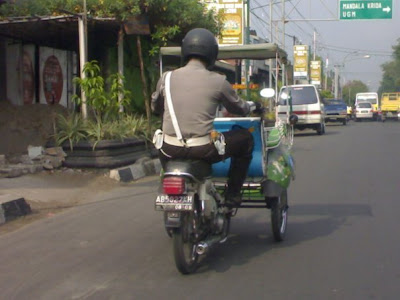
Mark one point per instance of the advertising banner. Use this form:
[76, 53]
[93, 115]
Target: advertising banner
[300, 68]
[232, 12]
[315, 72]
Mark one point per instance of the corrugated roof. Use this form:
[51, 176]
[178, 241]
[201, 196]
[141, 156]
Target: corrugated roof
[252, 51]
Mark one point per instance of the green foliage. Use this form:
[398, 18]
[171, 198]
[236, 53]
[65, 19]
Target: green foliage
[74, 129]
[105, 104]
[350, 90]
[97, 130]
[391, 73]
[121, 9]
[169, 20]
[71, 129]
[326, 94]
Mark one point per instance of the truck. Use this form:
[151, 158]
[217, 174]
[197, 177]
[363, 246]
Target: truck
[335, 110]
[373, 99]
[390, 106]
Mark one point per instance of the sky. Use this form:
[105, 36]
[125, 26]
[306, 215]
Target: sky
[342, 42]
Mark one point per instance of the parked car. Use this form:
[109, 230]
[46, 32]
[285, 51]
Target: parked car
[335, 111]
[306, 104]
[364, 111]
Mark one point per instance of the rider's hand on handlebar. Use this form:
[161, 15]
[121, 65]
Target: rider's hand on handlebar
[256, 107]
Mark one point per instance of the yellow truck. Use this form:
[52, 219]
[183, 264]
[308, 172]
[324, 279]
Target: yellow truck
[390, 106]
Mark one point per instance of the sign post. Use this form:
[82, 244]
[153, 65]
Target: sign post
[365, 9]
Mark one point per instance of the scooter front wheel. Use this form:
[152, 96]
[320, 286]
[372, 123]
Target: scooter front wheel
[184, 241]
[279, 215]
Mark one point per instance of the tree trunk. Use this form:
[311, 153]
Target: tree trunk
[143, 77]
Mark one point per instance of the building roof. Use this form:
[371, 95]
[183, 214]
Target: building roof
[58, 31]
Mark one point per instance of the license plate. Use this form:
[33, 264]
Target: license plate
[364, 111]
[180, 203]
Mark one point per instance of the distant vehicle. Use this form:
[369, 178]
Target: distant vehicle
[371, 98]
[349, 112]
[335, 110]
[364, 111]
[306, 104]
[390, 106]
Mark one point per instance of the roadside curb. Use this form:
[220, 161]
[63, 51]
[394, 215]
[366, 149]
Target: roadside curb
[141, 168]
[12, 207]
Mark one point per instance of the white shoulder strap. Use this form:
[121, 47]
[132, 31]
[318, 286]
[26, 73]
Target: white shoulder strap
[171, 108]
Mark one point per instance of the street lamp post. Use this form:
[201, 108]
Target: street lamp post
[342, 65]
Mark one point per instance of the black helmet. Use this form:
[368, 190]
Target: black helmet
[200, 42]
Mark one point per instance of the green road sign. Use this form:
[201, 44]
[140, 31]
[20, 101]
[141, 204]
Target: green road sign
[359, 9]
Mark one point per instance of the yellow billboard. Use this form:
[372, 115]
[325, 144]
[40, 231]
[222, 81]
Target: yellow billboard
[315, 72]
[300, 67]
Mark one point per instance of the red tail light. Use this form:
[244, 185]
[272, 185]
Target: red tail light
[174, 185]
[307, 112]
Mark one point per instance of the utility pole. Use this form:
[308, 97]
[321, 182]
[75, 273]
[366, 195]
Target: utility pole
[270, 60]
[247, 42]
[82, 27]
[336, 81]
[315, 45]
[283, 40]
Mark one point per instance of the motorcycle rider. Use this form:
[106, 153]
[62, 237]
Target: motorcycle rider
[196, 94]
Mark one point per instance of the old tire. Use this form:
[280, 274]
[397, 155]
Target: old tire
[184, 245]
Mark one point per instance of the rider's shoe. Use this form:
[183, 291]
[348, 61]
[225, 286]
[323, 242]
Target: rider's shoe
[233, 200]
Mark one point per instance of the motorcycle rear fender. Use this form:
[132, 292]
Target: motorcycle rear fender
[172, 222]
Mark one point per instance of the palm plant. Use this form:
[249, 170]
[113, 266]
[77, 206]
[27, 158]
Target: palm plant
[71, 128]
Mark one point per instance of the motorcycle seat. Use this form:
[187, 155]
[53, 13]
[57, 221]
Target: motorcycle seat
[200, 169]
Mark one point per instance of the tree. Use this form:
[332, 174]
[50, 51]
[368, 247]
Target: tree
[350, 90]
[391, 73]
[169, 21]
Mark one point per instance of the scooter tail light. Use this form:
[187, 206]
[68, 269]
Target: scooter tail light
[174, 185]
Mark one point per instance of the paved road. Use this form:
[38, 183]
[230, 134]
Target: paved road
[343, 238]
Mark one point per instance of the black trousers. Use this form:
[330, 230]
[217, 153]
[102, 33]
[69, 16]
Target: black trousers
[239, 147]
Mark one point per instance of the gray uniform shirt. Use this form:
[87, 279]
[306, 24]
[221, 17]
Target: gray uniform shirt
[196, 93]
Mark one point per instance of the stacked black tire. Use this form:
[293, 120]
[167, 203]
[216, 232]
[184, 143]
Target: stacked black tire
[107, 154]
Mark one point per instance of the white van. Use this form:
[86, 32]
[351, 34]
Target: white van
[306, 104]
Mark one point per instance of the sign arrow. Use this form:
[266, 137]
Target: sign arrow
[386, 9]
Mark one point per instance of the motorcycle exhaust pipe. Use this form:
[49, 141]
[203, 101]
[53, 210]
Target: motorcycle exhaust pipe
[204, 246]
[201, 248]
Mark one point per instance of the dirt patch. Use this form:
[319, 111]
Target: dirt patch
[49, 193]
[21, 126]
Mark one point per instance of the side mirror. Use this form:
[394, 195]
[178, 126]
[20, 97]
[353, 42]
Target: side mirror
[267, 93]
[284, 96]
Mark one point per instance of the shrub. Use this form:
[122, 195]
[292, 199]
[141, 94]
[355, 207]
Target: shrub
[104, 104]
[71, 128]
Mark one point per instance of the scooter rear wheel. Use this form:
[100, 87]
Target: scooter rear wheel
[184, 241]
